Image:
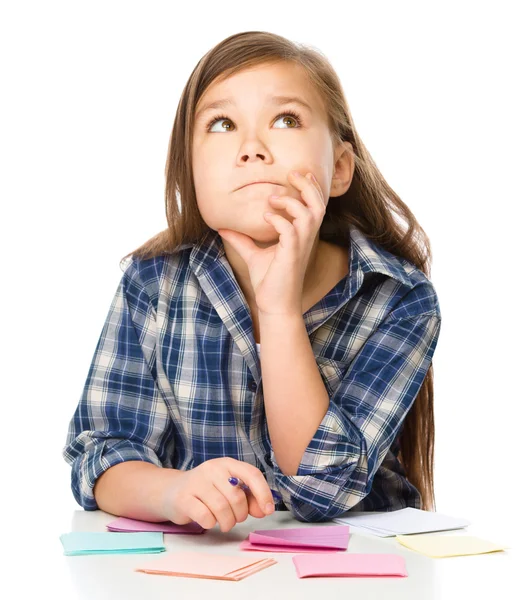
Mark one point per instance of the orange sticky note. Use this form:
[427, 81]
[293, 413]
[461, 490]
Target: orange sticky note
[206, 566]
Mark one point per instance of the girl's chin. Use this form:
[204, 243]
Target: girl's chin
[265, 235]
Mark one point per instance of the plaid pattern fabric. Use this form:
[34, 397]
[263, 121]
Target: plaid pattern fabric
[175, 378]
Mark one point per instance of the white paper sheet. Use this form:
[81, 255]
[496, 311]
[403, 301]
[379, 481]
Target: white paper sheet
[401, 522]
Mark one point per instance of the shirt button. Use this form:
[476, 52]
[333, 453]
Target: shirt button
[253, 386]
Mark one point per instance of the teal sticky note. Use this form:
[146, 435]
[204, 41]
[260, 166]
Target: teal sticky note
[78, 543]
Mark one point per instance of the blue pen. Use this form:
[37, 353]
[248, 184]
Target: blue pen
[235, 481]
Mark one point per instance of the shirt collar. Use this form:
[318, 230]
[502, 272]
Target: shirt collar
[365, 256]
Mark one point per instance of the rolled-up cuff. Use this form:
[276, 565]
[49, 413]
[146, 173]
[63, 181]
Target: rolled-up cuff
[90, 465]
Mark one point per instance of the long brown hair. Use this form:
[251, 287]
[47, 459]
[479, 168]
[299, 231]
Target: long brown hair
[369, 203]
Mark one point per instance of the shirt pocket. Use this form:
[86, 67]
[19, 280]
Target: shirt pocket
[332, 373]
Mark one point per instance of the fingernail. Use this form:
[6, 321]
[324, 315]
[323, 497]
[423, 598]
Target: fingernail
[313, 178]
[233, 480]
[269, 508]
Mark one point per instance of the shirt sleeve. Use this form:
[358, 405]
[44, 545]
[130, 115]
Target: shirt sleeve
[121, 414]
[364, 416]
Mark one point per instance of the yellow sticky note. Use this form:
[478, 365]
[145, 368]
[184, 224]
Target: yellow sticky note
[441, 546]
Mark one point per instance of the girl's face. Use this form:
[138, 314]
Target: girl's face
[252, 142]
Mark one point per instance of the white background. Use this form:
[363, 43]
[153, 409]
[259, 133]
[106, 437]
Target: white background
[90, 91]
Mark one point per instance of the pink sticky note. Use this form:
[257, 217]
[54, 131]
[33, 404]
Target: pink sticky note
[307, 539]
[129, 525]
[350, 565]
[246, 545]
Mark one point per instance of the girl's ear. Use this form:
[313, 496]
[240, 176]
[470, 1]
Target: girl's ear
[344, 164]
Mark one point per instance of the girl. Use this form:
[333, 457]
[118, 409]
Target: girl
[280, 331]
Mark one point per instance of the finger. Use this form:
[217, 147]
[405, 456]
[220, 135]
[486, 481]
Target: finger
[199, 512]
[237, 498]
[304, 218]
[314, 181]
[220, 507]
[317, 195]
[288, 234]
[309, 192]
[255, 480]
[292, 205]
[254, 509]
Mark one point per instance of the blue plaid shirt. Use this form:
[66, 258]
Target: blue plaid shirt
[175, 379]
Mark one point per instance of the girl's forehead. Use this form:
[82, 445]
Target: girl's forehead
[275, 83]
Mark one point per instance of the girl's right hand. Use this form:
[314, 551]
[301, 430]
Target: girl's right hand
[204, 495]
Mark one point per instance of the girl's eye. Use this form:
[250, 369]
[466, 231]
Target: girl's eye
[292, 114]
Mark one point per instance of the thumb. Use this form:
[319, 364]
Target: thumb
[253, 507]
[242, 244]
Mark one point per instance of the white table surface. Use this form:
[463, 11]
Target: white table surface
[100, 577]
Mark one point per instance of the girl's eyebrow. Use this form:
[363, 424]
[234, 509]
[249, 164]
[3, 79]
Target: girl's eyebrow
[275, 100]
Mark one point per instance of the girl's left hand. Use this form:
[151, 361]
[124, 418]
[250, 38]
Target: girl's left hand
[277, 272]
